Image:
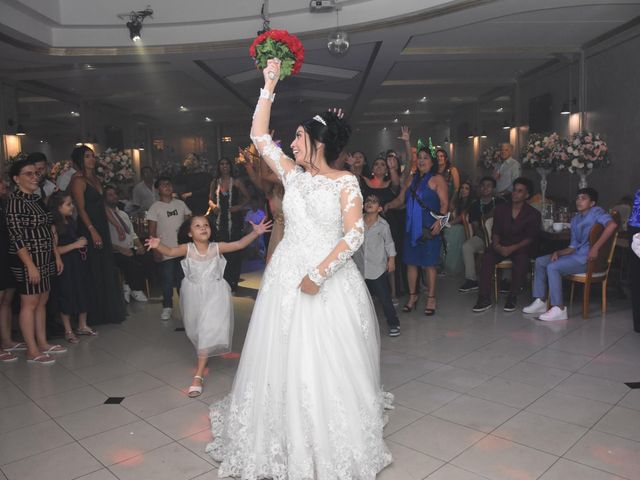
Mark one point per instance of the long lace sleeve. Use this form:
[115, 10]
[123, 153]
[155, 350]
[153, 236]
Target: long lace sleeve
[270, 152]
[352, 226]
[273, 155]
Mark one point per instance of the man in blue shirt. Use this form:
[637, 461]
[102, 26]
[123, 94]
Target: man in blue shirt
[634, 260]
[572, 259]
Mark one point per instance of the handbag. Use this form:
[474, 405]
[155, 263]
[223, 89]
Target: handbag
[427, 234]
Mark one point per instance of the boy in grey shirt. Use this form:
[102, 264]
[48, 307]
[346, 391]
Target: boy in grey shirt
[376, 259]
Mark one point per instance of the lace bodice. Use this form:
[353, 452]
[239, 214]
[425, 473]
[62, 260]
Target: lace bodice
[199, 268]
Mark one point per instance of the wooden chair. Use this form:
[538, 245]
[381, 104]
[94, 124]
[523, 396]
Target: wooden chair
[468, 228]
[503, 264]
[597, 270]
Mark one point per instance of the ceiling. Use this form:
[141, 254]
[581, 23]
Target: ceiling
[65, 55]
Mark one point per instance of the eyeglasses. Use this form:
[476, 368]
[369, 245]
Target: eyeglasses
[30, 174]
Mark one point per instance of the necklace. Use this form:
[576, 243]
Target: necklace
[218, 192]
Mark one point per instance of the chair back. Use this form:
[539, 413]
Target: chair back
[487, 224]
[603, 261]
[468, 228]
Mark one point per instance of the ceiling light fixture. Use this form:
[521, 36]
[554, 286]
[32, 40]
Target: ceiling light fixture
[423, 100]
[183, 108]
[226, 139]
[208, 119]
[499, 110]
[505, 125]
[20, 131]
[407, 111]
[135, 22]
[483, 134]
[565, 109]
[73, 113]
[338, 41]
[395, 120]
[446, 140]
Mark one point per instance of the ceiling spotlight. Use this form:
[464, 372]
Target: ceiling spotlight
[135, 22]
[208, 119]
[407, 111]
[384, 129]
[505, 125]
[20, 131]
[483, 134]
[183, 108]
[141, 147]
[73, 113]
[226, 139]
[499, 110]
[424, 100]
[565, 109]
[338, 40]
[395, 120]
[472, 135]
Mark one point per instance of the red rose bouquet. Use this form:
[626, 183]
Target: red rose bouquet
[278, 44]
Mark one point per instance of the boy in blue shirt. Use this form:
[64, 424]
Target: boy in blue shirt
[570, 260]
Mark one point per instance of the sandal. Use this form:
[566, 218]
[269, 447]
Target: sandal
[411, 306]
[7, 357]
[42, 360]
[70, 337]
[55, 349]
[430, 311]
[17, 347]
[196, 391]
[88, 331]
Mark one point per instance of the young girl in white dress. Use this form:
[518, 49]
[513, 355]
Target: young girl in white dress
[205, 297]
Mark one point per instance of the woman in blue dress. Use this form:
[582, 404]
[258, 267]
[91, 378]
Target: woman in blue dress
[422, 242]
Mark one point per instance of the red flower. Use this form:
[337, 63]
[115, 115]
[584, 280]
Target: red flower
[291, 42]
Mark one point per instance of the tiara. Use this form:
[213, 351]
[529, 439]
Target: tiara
[318, 118]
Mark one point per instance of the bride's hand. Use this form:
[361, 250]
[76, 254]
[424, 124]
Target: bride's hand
[308, 287]
[271, 70]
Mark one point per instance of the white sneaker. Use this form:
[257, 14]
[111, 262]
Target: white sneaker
[139, 296]
[166, 313]
[554, 313]
[126, 291]
[538, 306]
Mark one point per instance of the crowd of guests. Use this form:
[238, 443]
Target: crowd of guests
[422, 216]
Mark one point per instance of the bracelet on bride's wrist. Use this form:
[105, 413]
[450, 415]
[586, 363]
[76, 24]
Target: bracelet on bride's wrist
[264, 93]
[315, 277]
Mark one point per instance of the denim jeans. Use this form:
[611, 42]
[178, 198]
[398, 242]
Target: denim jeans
[551, 273]
[171, 272]
[379, 287]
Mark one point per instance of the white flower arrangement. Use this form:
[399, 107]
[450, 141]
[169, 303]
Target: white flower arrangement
[587, 151]
[547, 152]
[490, 157]
[114, 167]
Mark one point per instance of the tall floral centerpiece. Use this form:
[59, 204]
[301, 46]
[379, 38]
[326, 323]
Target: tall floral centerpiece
[59, 168]
[278, 44]
[114, 167]
[586, 152]
[547, 154]
[490, 157]
[194, 163]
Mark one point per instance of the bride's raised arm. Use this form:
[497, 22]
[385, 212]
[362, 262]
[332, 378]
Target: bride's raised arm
[270, 152]
[352, 226]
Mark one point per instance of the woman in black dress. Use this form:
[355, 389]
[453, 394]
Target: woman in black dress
[107, 301]
[33, 259]
[228, 200]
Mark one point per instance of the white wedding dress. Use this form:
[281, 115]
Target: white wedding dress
[306, 402]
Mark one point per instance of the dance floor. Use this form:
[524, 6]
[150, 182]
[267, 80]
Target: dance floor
[493, 395]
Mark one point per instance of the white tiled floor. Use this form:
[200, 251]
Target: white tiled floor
[488, 396]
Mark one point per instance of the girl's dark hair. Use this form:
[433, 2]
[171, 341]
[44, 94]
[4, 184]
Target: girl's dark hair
[53, 203]
[77, 156]
[224, 159]
[333, 132]
[447, 162]
[17, 166]
[183, 231]
[460, 203]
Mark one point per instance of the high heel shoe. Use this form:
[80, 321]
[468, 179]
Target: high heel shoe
[430, 311]
[411, 305]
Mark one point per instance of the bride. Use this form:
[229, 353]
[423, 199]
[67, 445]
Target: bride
[306, 402]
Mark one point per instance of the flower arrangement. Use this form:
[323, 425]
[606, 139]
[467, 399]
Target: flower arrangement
[490, 157]
[587, 151]
[114, 167]
[59, 168]
[167, 168]
[278, 44]
[545, 151]
[194, 163]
